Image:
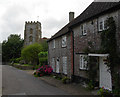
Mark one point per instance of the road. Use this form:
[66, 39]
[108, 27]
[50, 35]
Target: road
[18, 82]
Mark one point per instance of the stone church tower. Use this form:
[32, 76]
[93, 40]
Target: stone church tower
[32, 33]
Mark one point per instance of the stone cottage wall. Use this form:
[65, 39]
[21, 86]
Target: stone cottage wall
[59, 52]
[93, 35]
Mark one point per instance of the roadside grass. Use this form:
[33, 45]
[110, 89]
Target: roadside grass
[22, 64]
[16, 63]
[26, 65]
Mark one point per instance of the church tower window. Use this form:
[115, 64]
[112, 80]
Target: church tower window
[31, 31]
[30, 39]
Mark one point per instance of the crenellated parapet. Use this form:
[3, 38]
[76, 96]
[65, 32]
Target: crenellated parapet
[32, 22]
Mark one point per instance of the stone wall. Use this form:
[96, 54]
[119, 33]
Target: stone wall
[93, 35]
[59, 52]
[32, 33]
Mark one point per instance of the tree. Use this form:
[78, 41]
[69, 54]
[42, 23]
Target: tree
[43, 58]
[30, 53]
[11, 48]
[44, 44]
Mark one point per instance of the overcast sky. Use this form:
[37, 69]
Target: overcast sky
[53, 15]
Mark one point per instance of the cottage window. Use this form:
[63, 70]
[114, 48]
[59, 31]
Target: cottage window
[65, 65]
[103, 25]
[57, 65]
[83, 28]
[54, 43]
[64, 41]
[53, 64]
[83, 62]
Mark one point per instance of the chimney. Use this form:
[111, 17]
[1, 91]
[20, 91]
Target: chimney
[71, 16]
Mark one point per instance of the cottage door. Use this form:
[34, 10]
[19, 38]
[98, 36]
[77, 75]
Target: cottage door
[57, 65]
[105, 75]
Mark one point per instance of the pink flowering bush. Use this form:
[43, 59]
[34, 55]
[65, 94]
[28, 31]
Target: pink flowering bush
[44, 70]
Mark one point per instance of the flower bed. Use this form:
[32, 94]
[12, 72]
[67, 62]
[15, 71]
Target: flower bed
[43, 70]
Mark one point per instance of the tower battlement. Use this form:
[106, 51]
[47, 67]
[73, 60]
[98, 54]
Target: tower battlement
[32, 22]
[32, 32]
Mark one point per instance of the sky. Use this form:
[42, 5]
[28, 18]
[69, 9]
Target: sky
[53, 15]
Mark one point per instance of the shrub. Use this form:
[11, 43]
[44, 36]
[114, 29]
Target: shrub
[65, 80]
[102, 92]
[91, 85]
[44, 70]
[30, 53]
[13, 60]
[36, 67]
[19, 59]
[43, 58]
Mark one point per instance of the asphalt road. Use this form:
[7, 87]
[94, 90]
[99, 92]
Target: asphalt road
[18, 82]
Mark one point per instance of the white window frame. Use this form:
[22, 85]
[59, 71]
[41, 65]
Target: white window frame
[84, 30]
[101, 24]
[64, 65]
[54, 43]
[83, 62]
[53, 64]
[64, 41]
[57, 65]
[103, 21]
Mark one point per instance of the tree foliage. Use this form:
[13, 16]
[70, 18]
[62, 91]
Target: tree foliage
[30, 53]
[44, 45]
[11, 48]
[43, 58]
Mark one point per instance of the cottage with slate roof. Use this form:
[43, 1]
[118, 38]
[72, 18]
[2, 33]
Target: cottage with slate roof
[59, 50]
[68, 47]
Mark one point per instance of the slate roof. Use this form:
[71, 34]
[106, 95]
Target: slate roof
[61, 32]
[93, 10]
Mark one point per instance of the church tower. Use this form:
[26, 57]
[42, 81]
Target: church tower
[32, 33]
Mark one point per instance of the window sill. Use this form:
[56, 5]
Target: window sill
[64, 74]
[83, 69]
[83, 35]
[64, 47]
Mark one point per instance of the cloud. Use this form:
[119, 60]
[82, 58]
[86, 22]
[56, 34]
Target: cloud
[52, 25]
[12, 21]
[53, 14]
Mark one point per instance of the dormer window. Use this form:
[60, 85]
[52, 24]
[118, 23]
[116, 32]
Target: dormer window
[64, 41]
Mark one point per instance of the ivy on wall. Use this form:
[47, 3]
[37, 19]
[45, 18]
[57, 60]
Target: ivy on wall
[108, 45]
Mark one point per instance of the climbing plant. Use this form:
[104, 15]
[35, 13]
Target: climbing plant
[109, 45]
